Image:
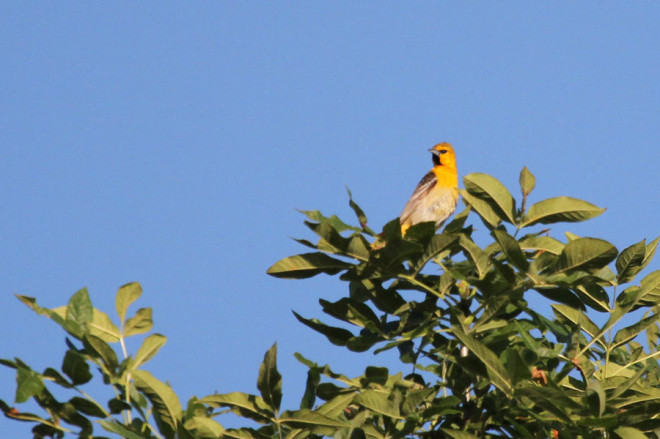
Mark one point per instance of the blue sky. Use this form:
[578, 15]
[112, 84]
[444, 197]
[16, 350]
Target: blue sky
[170, 143]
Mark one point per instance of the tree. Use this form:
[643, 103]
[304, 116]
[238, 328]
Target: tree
[486, 363]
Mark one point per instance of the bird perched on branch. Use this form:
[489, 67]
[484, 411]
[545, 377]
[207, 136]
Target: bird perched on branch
[436, 195]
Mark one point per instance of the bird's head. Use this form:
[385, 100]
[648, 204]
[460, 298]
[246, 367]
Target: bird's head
[443, 155]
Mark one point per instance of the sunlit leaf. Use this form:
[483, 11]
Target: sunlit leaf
[166, 406]
[527, 181]
[140, 323]
[490, 189]
[560, 209]
[126, 295]
[150, 347]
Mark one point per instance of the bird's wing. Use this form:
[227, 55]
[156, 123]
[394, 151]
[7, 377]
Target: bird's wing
[423, 188]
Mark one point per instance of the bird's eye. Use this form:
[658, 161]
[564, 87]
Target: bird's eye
[443, 151]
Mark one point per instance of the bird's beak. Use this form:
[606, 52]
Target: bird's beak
[435, 152]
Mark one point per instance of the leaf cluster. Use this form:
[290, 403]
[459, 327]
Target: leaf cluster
[483, 360]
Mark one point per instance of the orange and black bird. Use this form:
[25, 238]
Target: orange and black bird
[436, 195]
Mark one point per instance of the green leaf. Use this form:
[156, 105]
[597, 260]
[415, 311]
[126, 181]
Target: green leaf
[311, 421]
[248, 406]
[629, 262]
[313, 380]
[595, 392]
[578, 318]
[516, 365]
[79, 312]
[488, 214]
[140, 323]
[585, 254]
[150, 347]
[88, 407]
[511, 249]
[102, 327]
[337, 336]
[204, 427]
[527, 181]
[333, 220]
[359, 213]
[120, 429]
[478, 256]
[630, 433]
[378, 402]
[651, 247]
[31, 303]
[628, 333]
[269, 382]
[166, 406]
[459, 434]
[96, 345]
[76, 368]
[560, 209]
[307, 265]
[55, 376]
[126, 295]
[29, 384]
[496, 370]
[490, 189]
[561, 295]
[552, 400]
[542, 243]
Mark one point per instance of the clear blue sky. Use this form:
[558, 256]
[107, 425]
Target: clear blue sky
[171, 142]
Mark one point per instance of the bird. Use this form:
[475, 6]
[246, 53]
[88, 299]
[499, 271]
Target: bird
[436, 195]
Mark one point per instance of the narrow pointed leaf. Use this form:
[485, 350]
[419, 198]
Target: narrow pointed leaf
[560, 209]
[496, 370]
[628, 333]
[578, 318]
[269, 382]
[629, 262]
[150, 347]
[307, 265]
[478, 256]
[167, 409]
[118, 428]
[527, 181]
[651, 247]
[248, 406]
[312, 421]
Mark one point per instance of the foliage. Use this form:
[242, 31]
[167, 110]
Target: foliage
[486, 364]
